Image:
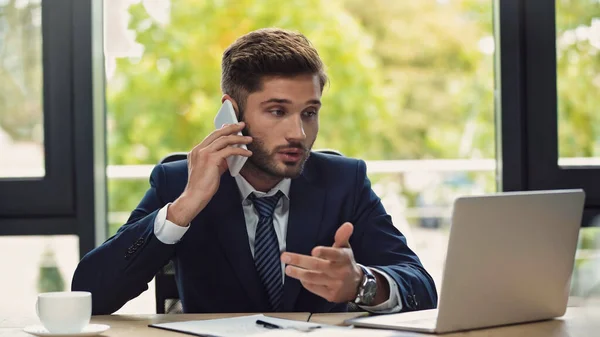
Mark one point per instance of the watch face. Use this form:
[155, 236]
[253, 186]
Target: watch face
[369, 291]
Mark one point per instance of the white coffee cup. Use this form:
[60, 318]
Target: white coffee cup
[64, 312]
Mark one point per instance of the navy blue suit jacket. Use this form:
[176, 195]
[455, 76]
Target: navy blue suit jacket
[214, 267]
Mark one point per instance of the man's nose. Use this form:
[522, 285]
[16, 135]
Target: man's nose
[295, 130]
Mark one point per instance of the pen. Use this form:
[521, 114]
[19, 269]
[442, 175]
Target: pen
[268, 325]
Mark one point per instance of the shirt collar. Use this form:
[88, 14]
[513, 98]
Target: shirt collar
[246, 189]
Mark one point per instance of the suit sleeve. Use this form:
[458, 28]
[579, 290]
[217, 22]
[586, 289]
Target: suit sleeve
[379, 244]
[120, 269]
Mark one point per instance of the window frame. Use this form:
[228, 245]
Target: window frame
[53, 194]
[527, 109]
[71, 198]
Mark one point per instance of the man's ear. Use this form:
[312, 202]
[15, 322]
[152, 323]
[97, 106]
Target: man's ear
[233, 102]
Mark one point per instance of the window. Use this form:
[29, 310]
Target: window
[36, 172]
[577, 50]
[411, 81]
[539, 56]
[21, 101]
[47, 127]
[577, 82]
[559, 39]
[416, 78]
[34, 264]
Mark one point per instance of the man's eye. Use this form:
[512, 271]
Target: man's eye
[310, 113]
[277, 112]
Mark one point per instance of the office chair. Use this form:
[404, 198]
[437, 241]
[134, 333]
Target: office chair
[166, 293]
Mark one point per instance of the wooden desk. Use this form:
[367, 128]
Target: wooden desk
[577, 322]
[135, 325]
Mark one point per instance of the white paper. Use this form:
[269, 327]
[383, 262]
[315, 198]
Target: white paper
[234, 327]
[337, 332]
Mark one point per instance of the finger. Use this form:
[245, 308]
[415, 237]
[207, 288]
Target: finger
[305, 261]
[224, 141]
[309, 276]
[330, 254]
[342, 235]
[317, 289]
[223, 131]
[233, 151]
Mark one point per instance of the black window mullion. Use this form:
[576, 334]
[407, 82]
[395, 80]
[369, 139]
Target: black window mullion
[511, 121]
[53, 194]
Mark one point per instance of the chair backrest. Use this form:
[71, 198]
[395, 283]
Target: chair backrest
[175, 156]
[166, 292]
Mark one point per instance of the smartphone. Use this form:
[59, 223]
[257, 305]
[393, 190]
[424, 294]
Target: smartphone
[226, 115]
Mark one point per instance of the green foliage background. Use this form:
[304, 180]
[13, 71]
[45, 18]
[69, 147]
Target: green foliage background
[409, 79]
[406, 77]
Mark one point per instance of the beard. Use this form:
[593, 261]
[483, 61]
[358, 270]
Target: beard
[264, 161]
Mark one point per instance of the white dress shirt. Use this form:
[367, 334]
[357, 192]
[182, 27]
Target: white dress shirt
[170, 233]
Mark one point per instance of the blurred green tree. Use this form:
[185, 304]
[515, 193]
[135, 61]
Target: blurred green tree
[409, 79]
[166, 100]
[21, 70]
[578, 66]
[50, 278]
[437, 57]
[437, 60]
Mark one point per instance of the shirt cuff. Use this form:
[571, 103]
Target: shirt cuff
[166, 231]
[393, 303]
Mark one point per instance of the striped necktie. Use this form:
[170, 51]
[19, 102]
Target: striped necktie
[266, 249]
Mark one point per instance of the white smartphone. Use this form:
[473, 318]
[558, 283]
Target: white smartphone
[226, 115]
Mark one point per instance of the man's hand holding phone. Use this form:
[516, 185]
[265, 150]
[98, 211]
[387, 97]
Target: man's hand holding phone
[206, 163]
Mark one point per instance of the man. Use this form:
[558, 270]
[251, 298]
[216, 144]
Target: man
[295, 231]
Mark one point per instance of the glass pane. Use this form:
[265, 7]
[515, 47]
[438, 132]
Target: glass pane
[578, 81]
[585, 283]
[21, 101]
[411, 92]
[34, 264]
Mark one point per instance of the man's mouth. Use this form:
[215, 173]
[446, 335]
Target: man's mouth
[291, 155]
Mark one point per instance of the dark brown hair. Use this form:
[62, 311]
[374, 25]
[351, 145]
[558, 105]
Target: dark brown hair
[267, 52]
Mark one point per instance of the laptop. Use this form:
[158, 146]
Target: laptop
[509, 260]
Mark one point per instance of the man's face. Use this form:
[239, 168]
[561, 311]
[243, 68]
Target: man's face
[282, 119]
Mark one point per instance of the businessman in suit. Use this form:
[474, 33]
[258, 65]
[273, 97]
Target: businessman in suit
[295, 231]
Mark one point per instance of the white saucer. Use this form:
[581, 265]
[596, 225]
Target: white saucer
[90, 330]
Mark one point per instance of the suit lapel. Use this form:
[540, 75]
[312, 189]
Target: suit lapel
[306, 209]
[233, 236]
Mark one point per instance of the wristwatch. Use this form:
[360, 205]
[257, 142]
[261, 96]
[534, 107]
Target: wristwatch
[367, 288]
